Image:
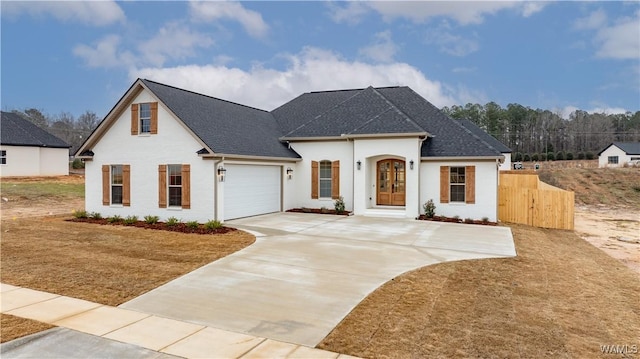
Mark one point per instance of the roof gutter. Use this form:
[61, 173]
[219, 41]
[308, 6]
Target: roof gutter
[350, 136]
[248, 157]
[460, 158]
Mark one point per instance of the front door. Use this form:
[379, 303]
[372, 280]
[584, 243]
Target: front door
[391, 183]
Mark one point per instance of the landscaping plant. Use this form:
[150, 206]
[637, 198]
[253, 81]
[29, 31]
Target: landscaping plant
[429, 209]
[339, 204]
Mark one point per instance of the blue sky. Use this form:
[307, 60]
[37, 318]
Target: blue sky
[562, 56]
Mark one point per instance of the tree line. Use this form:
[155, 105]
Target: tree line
[63, 125]
[545, 134]
[528, 132]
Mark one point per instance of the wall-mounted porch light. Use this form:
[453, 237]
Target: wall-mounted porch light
[289, 172]
[221, 173]
[411, 164]
[359, 164]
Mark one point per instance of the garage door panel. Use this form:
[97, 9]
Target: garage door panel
[251, 190]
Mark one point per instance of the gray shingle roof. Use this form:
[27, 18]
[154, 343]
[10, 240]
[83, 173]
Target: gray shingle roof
[17, 131]
[630, 148]
[366, 112]
[225, 127]
[380, 111]
[486, 137]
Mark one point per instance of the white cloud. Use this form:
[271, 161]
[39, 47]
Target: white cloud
[312, 69]
[595, 20]
[566, 111]
[533, 7]
[351, 13]
[450, 43]
[251, 20]
[621, 40]
[105, 53]
[463, 12]
[97, 13]
[382, 50]
[173, 41]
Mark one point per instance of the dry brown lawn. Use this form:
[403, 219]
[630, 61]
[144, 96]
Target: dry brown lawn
[15, 327]
[560, 298]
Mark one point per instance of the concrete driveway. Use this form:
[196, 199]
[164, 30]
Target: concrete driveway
[306, 272]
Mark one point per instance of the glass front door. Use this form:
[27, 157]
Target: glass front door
[391, 183]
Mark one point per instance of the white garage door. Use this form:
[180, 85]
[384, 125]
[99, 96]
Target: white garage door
[251, 190]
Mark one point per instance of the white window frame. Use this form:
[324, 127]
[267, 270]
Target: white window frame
[113, 184]
[457, 184]
[144, 118]
[3, 157]
[174, 169]
[612, 160]
[326, 180]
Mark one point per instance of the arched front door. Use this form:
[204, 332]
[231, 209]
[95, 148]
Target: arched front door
[391, 183]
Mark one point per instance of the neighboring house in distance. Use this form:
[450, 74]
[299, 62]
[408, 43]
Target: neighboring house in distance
[174, 153]
[491, 141]
[28, 150]
[619, 153]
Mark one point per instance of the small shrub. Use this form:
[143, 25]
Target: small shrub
[81, 213]
[193, 224]
[468, 220]
[172, 221]
[456, 217]
[129, 220]
[581, 155]
[551, 156]
[543, 157]
[485, 219]
[589, 155]
[151, 219]
[429, 209]
[560, 156]
[324, 210]
[95, 215]
[569, 156]
[339, 204]
[535, 157]
[213, 224]
[115, 219]
[527, 157]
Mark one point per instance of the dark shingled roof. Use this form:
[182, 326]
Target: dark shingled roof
[486, 137]
[630, 148]
[381, 110]
[225, 127]
[17, 131]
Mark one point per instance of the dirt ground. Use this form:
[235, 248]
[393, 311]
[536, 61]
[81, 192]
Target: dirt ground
[560, 298]
[615, 231]
[41, 196]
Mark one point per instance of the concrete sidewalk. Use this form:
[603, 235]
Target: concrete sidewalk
[101, 330]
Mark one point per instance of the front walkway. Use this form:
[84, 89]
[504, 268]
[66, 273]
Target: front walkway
[306, 272]
[96, 330]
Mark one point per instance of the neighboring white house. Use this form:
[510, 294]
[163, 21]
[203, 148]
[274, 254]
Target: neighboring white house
[617, 154]
[28, 150]
[174, 153]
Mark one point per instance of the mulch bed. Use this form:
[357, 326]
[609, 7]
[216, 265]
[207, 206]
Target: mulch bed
[422, 217]
[319, 211]
[160, 226]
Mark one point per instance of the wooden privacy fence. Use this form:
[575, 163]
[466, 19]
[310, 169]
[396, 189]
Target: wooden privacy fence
[523, 198]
